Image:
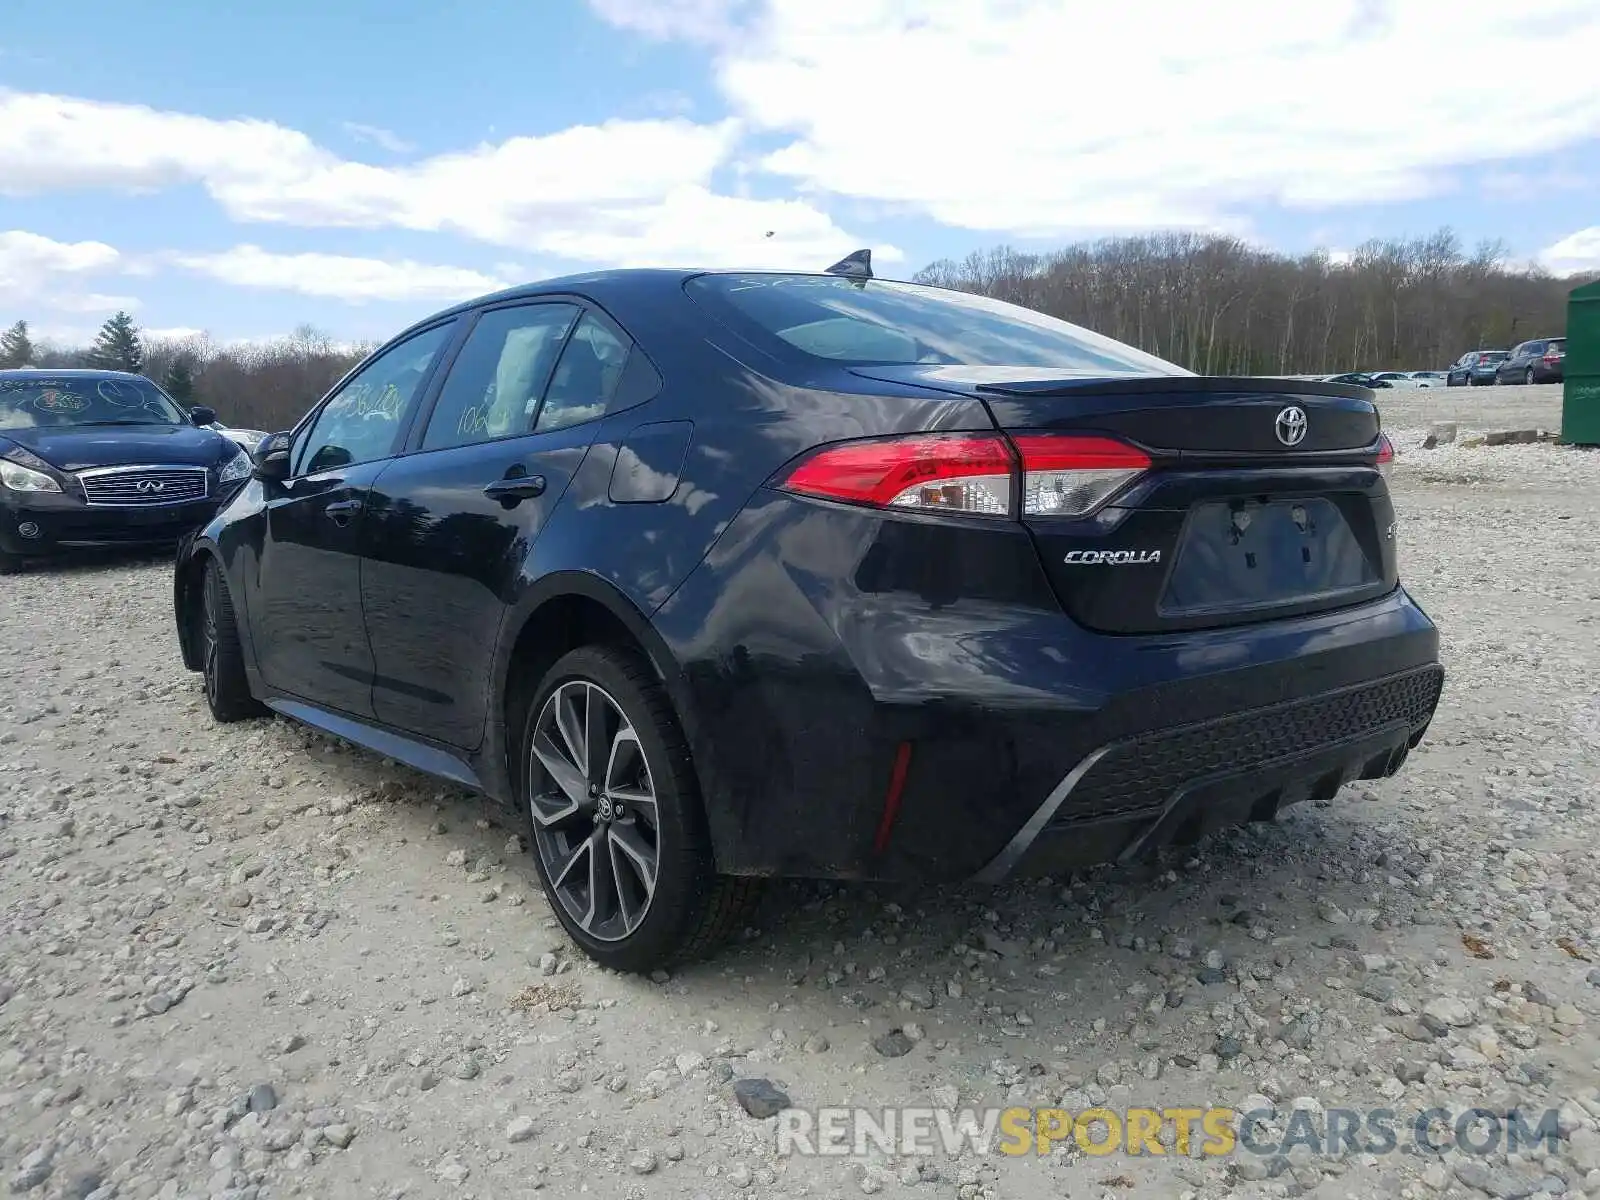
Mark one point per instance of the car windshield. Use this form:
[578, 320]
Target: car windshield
[883, 322]
[48, 402]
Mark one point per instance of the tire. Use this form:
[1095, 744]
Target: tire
[10, 564]
[1529, 379]
[222, 659]
[620, 722]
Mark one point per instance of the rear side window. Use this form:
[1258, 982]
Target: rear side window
[494, 386]
[587, 375]
[885, 322]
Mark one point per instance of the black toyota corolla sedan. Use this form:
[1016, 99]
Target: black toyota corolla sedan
[717, 576]
[97, 459]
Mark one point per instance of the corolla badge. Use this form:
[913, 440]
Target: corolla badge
[1111, 558]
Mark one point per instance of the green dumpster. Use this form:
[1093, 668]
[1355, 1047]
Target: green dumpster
[1580, 393]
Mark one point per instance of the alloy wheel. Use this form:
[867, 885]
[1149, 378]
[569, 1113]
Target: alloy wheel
[1530, 376]
[596, 826]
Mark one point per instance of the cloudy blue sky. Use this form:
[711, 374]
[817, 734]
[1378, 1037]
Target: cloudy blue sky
[357, 164]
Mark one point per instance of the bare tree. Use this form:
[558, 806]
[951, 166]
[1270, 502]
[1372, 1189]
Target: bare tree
[1217, 305]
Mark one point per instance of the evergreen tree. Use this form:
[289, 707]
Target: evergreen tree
[16, 347]
[179, 381]
[118, 347]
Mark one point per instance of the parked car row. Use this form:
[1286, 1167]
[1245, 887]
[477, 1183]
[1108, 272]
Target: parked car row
[1541, 360]
[1385, 379]
[718, 576]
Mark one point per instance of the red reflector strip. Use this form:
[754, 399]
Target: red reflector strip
[891, 798]
[876, 472]
[1052, 452]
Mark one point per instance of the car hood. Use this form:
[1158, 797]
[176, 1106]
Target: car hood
[75, 448]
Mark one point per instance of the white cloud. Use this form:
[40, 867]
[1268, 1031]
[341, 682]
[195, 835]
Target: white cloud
[378, 136]
[177, 333]
[39, 272]
[1038, 116]
[356, 280]
[1576, 252]
[52, 142]
[27, 258]
[94, 302]
[712, 21]
[606, 193]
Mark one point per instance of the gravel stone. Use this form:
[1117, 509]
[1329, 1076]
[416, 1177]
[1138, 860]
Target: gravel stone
[893, 1044]
[760, 1097]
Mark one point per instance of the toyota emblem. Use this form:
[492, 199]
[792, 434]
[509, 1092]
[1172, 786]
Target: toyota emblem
[1291, 425]
[149, 486]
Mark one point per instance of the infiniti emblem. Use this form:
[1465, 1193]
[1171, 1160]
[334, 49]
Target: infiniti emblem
[1291, 425]
[157, 485]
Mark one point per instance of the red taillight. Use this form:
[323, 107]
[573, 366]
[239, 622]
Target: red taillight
[963, 472]
[1551, 355]
[1071, 476]
[1062, 475]
[1385, 455]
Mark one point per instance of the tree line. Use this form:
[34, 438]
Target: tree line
[266, 386]
[1218, 305]
[1211, 303]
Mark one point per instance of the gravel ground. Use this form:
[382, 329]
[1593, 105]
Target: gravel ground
[253, 962]
[1510, 407]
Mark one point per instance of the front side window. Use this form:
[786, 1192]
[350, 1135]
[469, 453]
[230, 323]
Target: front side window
[882, 322]
[495, 384]
[46, 402]
[362, 420]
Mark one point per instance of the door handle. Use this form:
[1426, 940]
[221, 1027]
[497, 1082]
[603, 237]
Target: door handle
[515, 488]
[340, 511]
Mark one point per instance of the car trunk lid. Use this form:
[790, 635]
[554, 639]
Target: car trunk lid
[1262, 498]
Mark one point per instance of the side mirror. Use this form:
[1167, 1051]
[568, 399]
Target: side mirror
[201, 415]
[271, 457]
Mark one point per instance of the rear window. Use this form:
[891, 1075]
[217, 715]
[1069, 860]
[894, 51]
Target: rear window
[1558, 344]
[883, 322]
[42, 402]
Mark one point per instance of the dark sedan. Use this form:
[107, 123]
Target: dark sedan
[99, 459]
[1359, 379]
[719, 576]
[1539, 361]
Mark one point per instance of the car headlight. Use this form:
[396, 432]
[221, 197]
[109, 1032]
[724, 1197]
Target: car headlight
[237, 467]
[18, 478]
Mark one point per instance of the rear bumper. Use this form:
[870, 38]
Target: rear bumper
[1177, 784]
[49, 526]
[872, 721]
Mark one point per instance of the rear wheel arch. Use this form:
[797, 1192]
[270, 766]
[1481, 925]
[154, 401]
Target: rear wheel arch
[561, 613]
